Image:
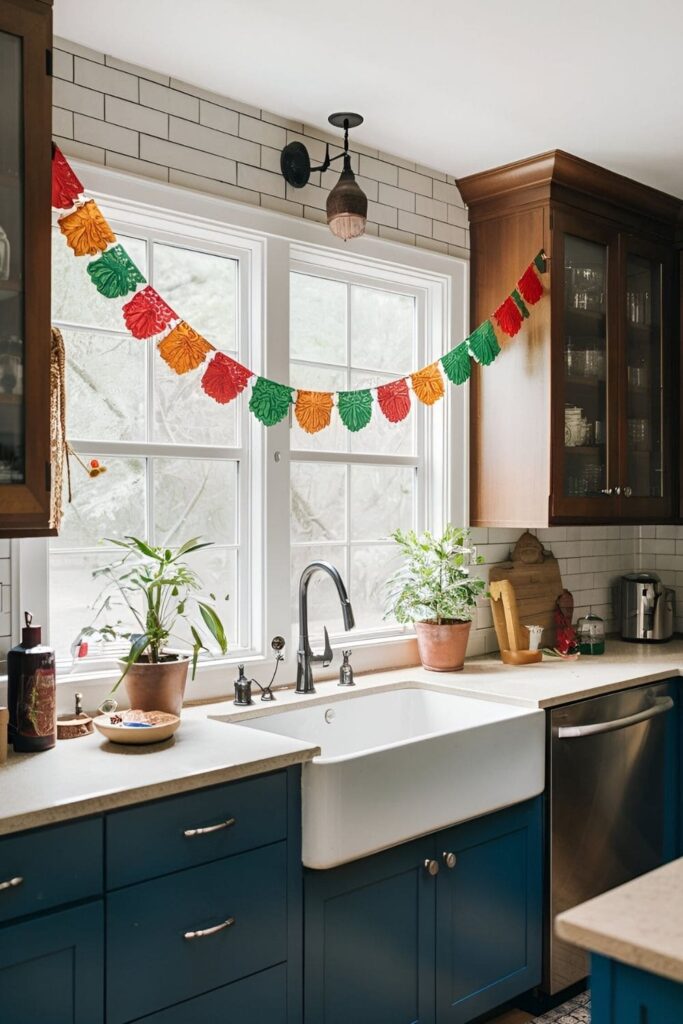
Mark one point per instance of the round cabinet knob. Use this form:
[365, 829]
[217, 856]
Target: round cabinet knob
[431, 867]
[449, 859]
[628, 491]
[617, 490]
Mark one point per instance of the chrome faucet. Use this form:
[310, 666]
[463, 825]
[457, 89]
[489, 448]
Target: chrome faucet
[305, 656]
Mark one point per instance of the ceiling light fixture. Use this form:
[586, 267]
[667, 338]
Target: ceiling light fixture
[347, 204]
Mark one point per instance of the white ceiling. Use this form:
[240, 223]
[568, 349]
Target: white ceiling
[458, 86]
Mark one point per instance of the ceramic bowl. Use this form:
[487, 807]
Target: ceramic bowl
[135, 734]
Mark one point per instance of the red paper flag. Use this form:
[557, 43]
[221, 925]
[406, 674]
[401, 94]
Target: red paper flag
[224, 378]
[394, 400]
[66, 188]
[147, 314]
[530, 285]
[508, 317]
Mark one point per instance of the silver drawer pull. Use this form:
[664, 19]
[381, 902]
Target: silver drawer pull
[12, 883]
[204, 932]
[190, 832]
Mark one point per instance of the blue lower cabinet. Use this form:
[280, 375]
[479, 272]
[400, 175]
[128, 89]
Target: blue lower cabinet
[52, 968]
[388, 942]
[176, 937]
[626, 995]
[259, 999]
[488, 912]
[369, 940]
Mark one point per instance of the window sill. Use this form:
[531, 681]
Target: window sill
[214, 680]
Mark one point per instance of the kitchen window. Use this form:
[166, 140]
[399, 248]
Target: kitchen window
[277, 296]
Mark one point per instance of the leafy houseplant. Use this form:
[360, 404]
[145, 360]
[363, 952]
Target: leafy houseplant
[434, 589]
[159, 590]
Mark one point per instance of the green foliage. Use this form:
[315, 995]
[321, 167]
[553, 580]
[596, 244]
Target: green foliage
[158, 588]
[434, 583]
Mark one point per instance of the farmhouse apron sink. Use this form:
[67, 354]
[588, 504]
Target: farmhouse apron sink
[401, 763]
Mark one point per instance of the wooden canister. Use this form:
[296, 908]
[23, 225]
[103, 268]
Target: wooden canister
[4, 723]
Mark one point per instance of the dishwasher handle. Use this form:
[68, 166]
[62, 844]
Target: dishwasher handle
[572, 732]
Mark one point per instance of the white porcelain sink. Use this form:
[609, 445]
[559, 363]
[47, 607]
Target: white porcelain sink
[404, 762]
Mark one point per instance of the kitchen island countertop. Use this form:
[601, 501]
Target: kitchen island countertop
[639, 923]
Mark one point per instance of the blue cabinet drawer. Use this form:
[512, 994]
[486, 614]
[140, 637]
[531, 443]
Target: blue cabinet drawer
[183, 831]
[156, 953]
[260, 999]
[44, 868]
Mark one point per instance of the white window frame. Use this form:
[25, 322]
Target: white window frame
[269, 244]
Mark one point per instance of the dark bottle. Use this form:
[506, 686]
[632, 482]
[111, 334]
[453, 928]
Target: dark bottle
[31, 691]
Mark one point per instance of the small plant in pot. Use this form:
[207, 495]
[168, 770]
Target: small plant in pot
[160, 590]
[434, 589]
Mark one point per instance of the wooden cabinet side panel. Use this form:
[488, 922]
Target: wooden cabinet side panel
[510, 400]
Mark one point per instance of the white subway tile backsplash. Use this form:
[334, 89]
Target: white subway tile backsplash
[76, 48]
[169, 100]
[196, 136]
[413, 222]
[260, 131]
[62, 64]
[432, 208]
[221, 118]
[381, 214]
[134, 69]
[447, 193]
[378, 170]
[135, 116]
[214, 187]
[214, 97]
[265, 181]
[108, 136]
[415, 182]
[449, 233]
[62, 122]
[183, 158]
[77, 99]
[79, 150]
[134, 166]
[398, 197]
[106, 80]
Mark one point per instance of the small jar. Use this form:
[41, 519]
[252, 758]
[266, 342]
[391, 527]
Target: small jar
[590, 633]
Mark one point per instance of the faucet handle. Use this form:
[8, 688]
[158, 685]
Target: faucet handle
[327, 652]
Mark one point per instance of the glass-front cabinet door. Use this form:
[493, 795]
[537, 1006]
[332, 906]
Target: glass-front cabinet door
[25, 149]
[645, 428]
[585, 372]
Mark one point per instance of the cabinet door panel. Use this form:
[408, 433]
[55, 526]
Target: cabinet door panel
[489, 913]
[25, 85]
[369, 940]
[645, 380]
[259, 999]
[585, 369]
[626, 995]
[52, 968]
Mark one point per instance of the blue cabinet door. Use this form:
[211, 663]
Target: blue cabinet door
[488, 912]
[626, 995]
[369, 940]
[52, 968]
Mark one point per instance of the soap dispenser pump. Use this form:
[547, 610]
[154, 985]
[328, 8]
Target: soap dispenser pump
[31, 691]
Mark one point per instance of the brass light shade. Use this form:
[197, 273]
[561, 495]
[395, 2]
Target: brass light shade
[347, 205]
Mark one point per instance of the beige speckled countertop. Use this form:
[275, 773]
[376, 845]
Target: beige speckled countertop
[639, 923]
[90, 775]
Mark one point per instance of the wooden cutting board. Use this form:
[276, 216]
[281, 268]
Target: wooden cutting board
[535, 576]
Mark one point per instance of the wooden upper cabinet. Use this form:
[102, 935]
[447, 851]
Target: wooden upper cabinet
[25, 155]
[575, 420]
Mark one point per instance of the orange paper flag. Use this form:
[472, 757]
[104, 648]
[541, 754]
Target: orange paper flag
[428, 384]
[183, 349]
[313, 410]
[86, 230]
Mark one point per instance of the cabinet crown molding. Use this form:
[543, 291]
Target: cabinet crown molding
[549, 175]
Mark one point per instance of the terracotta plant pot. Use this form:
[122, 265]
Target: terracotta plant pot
[442, 647]
[157, 686]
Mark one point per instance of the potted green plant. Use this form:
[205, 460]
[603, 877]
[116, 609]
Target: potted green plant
[159, 589]
[434, 589]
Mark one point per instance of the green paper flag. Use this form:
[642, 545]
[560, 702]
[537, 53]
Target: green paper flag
[355, 409]
[483, 343]
[521, 305]
[270, 401]
[114, 274]
[540, 262]
[456, 364]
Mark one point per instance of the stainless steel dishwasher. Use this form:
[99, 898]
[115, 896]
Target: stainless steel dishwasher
[611, 817]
